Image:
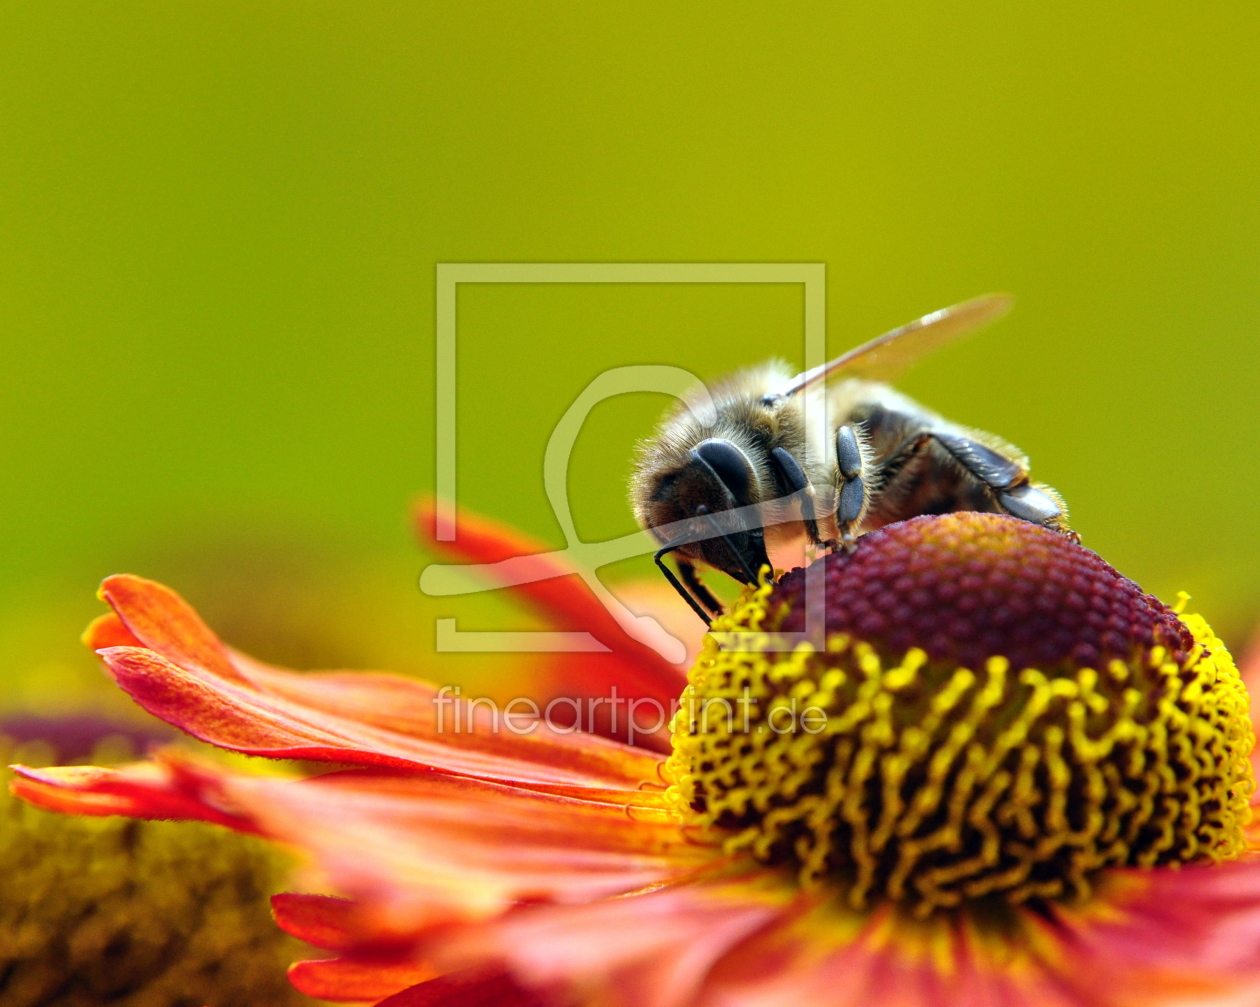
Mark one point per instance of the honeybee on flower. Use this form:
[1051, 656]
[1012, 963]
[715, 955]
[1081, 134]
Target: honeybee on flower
[738, 468]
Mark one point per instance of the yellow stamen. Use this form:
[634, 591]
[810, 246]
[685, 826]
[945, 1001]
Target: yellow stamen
[932, 784]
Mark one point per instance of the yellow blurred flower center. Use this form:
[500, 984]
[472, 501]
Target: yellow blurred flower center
[929, 783]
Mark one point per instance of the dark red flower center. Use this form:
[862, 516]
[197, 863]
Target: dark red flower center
[990, 711]
[970, 587]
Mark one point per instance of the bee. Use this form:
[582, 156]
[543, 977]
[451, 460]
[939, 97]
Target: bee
[764, 457]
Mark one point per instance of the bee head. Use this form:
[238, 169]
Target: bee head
[703, 494]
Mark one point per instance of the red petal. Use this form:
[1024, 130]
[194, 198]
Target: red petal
[141, 790]
[335, 924]
[347, 979]
[1145, 939]
[414, 850]
[486, 987]
[651, 950]
[371, 719]
[244, 718]
[653, 596]
[51, 797]
[421, 850]
[408, 707]
[827, 957]
[560, 593]
[321, 920]
[1196, 929]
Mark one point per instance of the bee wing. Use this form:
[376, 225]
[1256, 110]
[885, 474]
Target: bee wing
[886, 356]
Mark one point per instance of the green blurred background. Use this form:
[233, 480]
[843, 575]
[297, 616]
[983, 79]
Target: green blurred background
[221, 220]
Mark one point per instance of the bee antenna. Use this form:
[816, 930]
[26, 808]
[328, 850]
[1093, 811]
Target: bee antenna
[674, 581]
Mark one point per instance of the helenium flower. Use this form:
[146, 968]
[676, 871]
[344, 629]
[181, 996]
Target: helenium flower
[1001, 774]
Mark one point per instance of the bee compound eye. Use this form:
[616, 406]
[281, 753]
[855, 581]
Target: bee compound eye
[729, 464]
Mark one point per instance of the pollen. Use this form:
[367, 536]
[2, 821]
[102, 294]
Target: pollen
[986, 710]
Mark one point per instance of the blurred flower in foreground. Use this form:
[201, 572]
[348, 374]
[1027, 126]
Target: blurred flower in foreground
[133, 914]
[1005, 777]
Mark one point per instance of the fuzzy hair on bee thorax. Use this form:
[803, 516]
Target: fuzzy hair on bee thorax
[732, 409]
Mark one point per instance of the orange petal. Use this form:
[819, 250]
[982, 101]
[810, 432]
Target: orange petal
[162, 621]
[108, 631]
[414, 850]
[420, 850]
[244, 718]
[410, 707]
[349, 979]
[370, 719]
[559, 592]
[1249, 664]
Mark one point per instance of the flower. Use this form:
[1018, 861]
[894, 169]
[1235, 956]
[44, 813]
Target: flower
[1002, 776]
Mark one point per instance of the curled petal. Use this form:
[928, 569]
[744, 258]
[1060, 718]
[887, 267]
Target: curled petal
[408, 708]
[337, 924]
[109, 631]
[249, 720]
[322, 921]
[155, 615]
[559, 593]
[152, 790]
[189, 679]
[349, 979]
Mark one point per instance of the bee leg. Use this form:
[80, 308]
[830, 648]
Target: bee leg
[1039, 504]
[999, 473]
[854, 496]
[687, 572]
[793, 481]
[1008, 480]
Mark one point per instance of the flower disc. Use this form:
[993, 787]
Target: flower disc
[991, 711]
